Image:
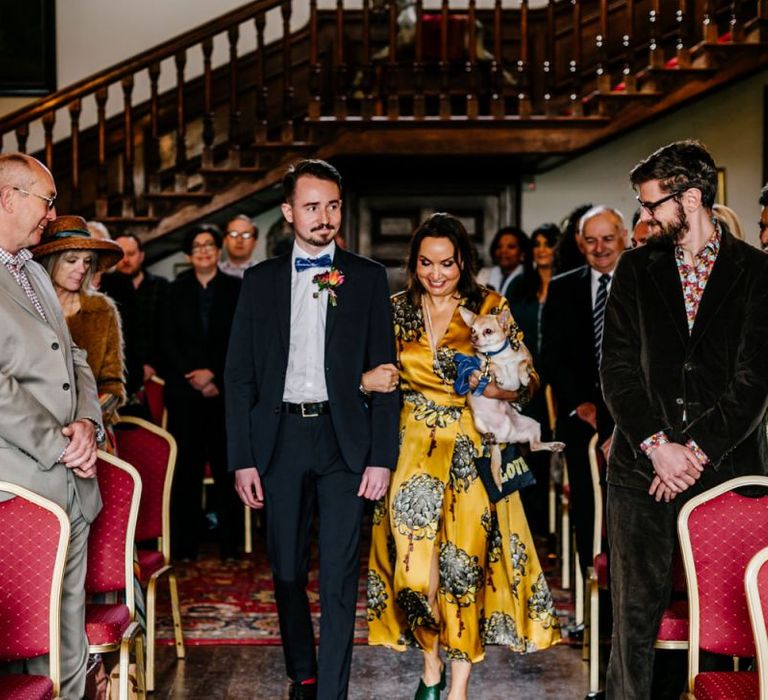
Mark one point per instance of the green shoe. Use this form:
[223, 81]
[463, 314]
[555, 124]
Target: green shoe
[430, 692]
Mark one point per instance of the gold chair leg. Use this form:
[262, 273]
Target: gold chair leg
[141, 681]
[125, 659]
[176, 611]
[248, 533]
[151, 621]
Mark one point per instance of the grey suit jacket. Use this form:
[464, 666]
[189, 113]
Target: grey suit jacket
[45, 384]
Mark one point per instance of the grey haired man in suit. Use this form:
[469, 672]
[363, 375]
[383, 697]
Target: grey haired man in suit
[49, 408]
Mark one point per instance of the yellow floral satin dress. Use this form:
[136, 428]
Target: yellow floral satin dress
[491, 587]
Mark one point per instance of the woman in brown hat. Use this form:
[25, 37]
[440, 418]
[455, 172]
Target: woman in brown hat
[71, 256]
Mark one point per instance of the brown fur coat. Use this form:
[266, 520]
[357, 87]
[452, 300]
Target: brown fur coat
[96, 329]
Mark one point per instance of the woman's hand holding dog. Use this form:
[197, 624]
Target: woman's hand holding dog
[492, 389]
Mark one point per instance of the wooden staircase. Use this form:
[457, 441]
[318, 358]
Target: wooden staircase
[543, 83]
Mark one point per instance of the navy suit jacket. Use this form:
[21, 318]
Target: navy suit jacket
[359, 335]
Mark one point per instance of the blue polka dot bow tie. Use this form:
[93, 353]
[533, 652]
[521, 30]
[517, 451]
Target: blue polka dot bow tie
[307, 263]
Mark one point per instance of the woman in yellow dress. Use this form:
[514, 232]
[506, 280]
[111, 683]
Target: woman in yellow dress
[448, 568]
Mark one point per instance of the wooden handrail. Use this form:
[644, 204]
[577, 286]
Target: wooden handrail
[135, 64]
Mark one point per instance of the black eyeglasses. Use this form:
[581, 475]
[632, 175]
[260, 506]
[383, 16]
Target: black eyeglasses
[208, 245]
[651, 206]
[51, 201]
[245, 235]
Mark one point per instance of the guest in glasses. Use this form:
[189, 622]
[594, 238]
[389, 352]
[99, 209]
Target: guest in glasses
[239, 243]
[303, 439]
[198, 318]
[763, 223]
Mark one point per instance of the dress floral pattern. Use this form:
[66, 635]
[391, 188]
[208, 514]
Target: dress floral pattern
[491, 588]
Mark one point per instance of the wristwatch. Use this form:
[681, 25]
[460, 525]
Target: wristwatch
[101, 434]
[364, 391]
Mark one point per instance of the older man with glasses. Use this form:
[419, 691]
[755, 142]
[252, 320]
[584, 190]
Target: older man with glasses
[239, 243]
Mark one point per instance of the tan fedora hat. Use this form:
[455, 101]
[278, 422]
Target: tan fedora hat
[71, 233]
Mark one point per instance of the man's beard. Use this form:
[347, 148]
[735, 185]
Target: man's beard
[668, 235]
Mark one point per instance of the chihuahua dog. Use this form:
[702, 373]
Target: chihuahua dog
[510, 366]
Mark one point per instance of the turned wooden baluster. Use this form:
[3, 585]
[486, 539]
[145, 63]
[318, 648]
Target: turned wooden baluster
[419, 103]
[575, 62]
[287, 134]
[315, 71]
[233, 34]
[101, 205]
[548, 66]
[736, 24]
[656, 53]
[262, 91]
[209, 133]
[49, 120]
[393, 100]
[22, 134]
[152, 178]
[710, 23]
[128, 148]
[601, 43]
[445, 80]
[681, 45]
[470, 66]
[75, 107]
[367, 73]
[341, 67]
[630, 81]
[497, 66]
[181, 124]
[523, 95]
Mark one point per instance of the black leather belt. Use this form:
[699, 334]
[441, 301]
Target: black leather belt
[307, 410]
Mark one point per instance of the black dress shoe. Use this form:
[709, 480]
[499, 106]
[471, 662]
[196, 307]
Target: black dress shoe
[303, 692]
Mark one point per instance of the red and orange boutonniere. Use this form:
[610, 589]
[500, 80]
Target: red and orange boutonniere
[330, 280]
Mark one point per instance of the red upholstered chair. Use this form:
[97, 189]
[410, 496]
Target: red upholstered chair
[154, 395]
[720, 531]
[756, 586]
[152, 451]
[112, 626]
[33, 551]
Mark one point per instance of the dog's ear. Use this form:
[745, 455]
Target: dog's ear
[468, 316]
[504, 317]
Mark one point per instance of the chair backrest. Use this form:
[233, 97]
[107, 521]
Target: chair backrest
[720, 530]
[549, 397]
[33, 552]
[756, 587]
[154, 394]
[152, 451]
[110, 542]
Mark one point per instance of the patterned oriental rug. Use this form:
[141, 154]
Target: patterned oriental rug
[232, 603]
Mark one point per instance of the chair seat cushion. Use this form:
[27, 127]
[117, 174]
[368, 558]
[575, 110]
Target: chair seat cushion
[148, 561]
[726, 685]
[105, 623]
[601, 569]
[17, 686]
[674, 623]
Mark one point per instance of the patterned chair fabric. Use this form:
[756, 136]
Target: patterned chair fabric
[756, 586]
[726, 685]
[33, 548]
[154, 395]
[105, 623]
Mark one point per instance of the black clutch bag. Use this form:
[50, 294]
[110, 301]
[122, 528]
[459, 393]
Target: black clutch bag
[514, 473]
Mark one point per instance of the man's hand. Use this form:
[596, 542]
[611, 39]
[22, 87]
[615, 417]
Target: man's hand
[80, 455]
[676, 466]
[605, 448]
[383, 379]
[374, 483]
[587, 411]
[198, 378]
[149, 371]
[659, 491]
[248, 487]
[210, 390]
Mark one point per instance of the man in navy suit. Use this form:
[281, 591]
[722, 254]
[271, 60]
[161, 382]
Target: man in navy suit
[302, 437]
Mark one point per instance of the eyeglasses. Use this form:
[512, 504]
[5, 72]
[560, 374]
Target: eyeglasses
[650, 207]
[210, 245]
[50, 201]
[245, 235]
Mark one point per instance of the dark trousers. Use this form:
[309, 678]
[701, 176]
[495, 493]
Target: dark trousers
[308, 476]
[642, 535]
[197, 424]
[576, 434]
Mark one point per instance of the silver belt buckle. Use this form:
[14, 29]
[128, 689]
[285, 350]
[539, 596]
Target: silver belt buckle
[305, 413]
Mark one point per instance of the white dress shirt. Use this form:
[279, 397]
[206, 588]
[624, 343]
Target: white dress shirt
[491, 277]
[595, 276]
[305, 377]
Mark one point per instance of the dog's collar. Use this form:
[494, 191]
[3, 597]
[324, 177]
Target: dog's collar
[501, 349]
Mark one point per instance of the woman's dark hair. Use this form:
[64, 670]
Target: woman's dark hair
[522, 240]
[568, 256]
[442, 225]
[680, 166]
[530, 283]
[194, 232]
